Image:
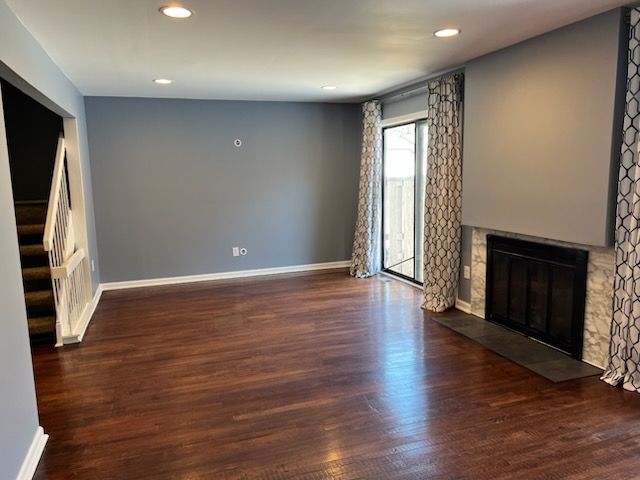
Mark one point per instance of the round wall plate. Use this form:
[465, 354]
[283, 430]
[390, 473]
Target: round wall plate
[237, 142]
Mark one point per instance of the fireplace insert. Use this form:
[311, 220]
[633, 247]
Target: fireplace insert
[538, 289]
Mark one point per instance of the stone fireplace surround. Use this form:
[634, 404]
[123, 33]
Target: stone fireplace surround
[598, 305]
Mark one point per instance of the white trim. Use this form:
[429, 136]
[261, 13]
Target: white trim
[66, 269]
[408, 118]
[54, 194]
[222, 276]
[85, 319]
[78, 176]
[412, 284]
[30, 462]
[463, 306]
[601, 367]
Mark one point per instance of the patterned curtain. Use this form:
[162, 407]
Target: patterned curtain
[624, 348]
[365, 260]
[443, 199]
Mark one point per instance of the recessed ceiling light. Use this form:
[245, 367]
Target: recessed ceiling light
[163, 81]
[447, 32]
[176, 11]
[329, 87]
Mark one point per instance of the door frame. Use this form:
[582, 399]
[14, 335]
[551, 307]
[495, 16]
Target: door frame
[71, 131]
[412, 118]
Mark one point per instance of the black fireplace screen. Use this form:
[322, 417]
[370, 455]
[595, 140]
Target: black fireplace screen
[537, 289]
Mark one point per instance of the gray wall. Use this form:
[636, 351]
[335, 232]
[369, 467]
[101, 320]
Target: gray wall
[541, 138]
[18, 409]
[173, 194]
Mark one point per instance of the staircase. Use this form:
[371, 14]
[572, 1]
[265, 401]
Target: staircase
[36, 274]
[55, 269]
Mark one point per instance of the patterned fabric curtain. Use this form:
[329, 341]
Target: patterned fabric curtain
[624, 348]
[443, 199]
[365, 260]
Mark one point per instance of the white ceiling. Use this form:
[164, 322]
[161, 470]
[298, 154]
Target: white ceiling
[279, 49]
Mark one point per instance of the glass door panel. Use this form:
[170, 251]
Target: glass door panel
[398, 210]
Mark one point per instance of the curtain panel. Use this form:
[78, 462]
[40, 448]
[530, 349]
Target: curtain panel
[365, 260]
[624, 348]
[443, 198]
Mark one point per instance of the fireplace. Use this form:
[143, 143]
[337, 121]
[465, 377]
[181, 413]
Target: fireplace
[537, 289]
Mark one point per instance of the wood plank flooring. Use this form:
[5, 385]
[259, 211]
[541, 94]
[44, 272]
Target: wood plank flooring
[312, 376]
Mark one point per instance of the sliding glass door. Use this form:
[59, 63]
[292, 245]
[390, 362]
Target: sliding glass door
[404, 177]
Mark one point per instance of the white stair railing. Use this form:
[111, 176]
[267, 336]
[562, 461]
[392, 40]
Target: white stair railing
[68, 263]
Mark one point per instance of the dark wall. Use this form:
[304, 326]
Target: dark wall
[32, 137]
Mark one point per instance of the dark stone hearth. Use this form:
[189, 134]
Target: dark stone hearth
[541, 359]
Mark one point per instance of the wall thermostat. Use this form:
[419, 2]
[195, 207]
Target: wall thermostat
[237, 142]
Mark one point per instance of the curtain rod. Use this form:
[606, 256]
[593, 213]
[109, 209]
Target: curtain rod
[414, 87]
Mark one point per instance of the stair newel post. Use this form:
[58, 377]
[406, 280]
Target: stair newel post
[56, 298]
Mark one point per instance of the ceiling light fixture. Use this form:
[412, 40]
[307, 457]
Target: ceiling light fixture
[163, 81]
[329, 87]
[447, 32]
[176, 11]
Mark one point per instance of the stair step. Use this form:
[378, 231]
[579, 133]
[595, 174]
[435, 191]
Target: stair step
[31, 213]
[31, 229]
[32, 250]
[42, 326]
[36, 273]
[39, 299]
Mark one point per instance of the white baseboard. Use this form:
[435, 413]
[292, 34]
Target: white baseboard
[85, 319]
[222, 276]
[463, 306]
[30, 463]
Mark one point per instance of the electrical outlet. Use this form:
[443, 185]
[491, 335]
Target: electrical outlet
[467, 272]
[236, 251]
[243, 251]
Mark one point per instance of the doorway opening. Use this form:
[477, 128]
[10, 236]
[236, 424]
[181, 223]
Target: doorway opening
[32, 132]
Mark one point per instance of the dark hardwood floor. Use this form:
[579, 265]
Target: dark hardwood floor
[312, 376]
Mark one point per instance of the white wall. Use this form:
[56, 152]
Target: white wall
[25, 64]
